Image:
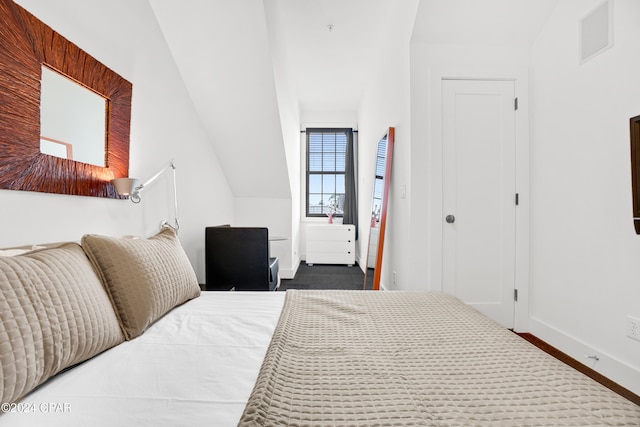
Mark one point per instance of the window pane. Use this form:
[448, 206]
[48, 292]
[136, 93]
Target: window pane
[339, 203]
[378, 186]
[315, 162]
[341, 142]
[381, 156]
[380, 166]
[315, 203]
[315, 142]
[326, 209]
[328, 183]
[315, 183]
[339, 183]
[329, 162]
[329, 142]
[382, 147]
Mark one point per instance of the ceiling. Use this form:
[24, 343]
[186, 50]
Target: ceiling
[225, 51]
[324, 51]
[481, 22]
[331, 46]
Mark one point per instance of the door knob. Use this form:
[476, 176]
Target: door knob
[450, 219]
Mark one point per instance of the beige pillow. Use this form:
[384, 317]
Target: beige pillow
[54, 313]
[145, 278]
[13, 252]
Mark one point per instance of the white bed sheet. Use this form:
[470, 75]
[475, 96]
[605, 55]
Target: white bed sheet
[194, 367]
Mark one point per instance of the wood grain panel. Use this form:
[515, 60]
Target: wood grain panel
[635, 170]
[25, 45]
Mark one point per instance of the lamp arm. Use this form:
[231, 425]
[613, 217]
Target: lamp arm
[135, 196]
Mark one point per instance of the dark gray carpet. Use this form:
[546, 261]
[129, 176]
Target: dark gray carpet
[321, 276]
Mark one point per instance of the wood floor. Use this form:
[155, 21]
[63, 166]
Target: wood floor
[628, 394]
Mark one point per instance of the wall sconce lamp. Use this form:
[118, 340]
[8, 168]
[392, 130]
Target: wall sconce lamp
[129, 187]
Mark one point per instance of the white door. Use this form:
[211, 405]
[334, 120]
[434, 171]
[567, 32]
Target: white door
[479, 195]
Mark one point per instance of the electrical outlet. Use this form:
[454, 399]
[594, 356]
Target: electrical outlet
[633, 328]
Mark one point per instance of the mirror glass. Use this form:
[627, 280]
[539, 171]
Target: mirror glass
[72, 120]
[378, 211]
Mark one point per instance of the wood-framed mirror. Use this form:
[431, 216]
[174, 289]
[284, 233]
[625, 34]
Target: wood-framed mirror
[28, 45]
[380, 201]
[635, 170]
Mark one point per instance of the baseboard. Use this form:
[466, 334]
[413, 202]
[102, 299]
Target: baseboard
[358, 259]
[563, 357]
[608, 366]
[290, 273]
[360, 264]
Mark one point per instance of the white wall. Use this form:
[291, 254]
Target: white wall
[584, 251]
[275, 214]
[125, 36]
[386, 103]
[287, 251]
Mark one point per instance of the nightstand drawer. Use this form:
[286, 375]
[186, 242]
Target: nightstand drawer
[331, 244]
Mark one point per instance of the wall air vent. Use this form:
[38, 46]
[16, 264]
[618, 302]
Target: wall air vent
[596, 31]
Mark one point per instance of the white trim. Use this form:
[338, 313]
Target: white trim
[359, 259]
[521, 80]
[290, 273]
[626, 375]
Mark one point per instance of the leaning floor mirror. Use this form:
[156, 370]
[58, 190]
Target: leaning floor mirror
[379, 204]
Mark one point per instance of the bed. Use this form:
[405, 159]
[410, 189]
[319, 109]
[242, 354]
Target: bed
[195, 367]
[300, 358]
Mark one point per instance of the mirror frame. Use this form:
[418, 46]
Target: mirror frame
[634, 132]
[26, 45]
[377, 270]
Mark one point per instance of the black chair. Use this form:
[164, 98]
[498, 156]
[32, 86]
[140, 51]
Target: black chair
[237, 258]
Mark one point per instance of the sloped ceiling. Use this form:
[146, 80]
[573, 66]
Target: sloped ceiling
[328, 51]
[221, 49]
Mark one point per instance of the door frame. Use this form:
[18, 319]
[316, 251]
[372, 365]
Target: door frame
[435, 233]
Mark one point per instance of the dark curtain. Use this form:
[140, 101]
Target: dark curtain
[350, 215]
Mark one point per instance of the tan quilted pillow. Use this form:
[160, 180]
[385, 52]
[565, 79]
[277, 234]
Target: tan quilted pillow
[54, 313]
[145, 278]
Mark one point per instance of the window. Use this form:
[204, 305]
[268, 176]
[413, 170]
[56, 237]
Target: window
[326, 159]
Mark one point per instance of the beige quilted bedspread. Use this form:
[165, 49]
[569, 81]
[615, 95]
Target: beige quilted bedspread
[361, 358]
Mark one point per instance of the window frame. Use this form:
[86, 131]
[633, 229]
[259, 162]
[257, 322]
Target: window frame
[348, 132]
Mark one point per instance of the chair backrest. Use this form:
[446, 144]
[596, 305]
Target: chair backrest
[237, 257]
